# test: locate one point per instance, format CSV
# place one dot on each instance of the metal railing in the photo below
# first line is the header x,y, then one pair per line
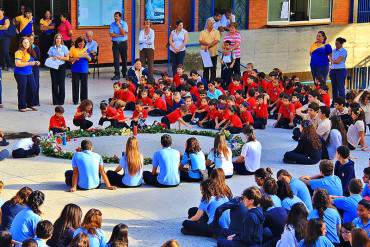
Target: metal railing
x,y
359,76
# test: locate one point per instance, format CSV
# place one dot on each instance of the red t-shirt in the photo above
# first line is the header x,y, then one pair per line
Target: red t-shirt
x,y
127,96
117,94
213,114
235,121
120,115
160,104
132,88
253,85
174,116
239,101
274,92
169,101
195,92
57,122
252,103
225,115
246,117
297,104
176,80
80,116
326,99
142,114
233,88
192,108
111,112
285,111
147,101
264,84
261,111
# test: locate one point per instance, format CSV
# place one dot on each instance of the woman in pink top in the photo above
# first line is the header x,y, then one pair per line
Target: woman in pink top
x,y
234,37
65,29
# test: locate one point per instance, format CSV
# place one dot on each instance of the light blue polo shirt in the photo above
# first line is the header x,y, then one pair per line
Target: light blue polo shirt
x,y
168,161
339,53
217,93
127,179
61,50
41,242
366,190
87,163
24,225
113,28
331,219
288,202
349,206
97,240
358,224
300,189
210,208
321,242
196,161
331,183
276,200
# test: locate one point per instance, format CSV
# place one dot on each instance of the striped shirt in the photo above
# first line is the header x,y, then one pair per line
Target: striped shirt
x,y
234,38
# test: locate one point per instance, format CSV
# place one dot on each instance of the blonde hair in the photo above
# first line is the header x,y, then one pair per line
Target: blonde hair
x,y
133,156
119,103
220,145
171,243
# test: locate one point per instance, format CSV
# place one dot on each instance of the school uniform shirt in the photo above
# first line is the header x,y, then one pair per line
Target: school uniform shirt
x,y
345,173
174,116
251,152
61,50
87,163
120,115
366,190
261,111
24,225
246,117
332,220
64,29
209,207
288,238
276,200
349,206
9,211
319,54
220,161
169,101
300,189
25,25
214,95
80,117
25,144
111,112
274,92
297,104
176,105
331,183
232,88
288,202
334,141
81,65
96,240
252,103
41,242
322,241
57,122
352,133
24,57
127,96
275,219
209,37
160,104
359,224
252,234
196,162
47,23
325,99
143,114
287,110
168,161
131,180
324,127
235,121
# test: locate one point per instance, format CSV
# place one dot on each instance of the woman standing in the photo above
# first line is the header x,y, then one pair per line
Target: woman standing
x,y
338,70
5,40
131,163
36,69
24,61
146,41
235,38
65,29
320,52
25,22
58,52
47,27
79,57
178,40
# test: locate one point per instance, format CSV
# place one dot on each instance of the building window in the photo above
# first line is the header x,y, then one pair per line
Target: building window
x,y
285,12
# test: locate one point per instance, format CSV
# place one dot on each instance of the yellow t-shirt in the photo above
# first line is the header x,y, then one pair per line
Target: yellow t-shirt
x,y
23,56
25,25
77,52
209,37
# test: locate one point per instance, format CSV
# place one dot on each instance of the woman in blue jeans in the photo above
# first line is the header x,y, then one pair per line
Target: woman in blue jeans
x,y
338,70
320,52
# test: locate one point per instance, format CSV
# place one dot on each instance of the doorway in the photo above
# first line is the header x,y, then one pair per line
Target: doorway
x,y
181,10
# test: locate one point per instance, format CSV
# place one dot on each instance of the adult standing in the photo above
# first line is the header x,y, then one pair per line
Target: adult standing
x,y
209,39
119,32
235,38
25,22
177,41
47,27
320,52
5,40
65,29
58,52
146,41
217,22
24,61
227,18
338,70
36,69
79,58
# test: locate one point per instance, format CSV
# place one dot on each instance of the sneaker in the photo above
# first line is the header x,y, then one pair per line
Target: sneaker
x,y
4,143
115,78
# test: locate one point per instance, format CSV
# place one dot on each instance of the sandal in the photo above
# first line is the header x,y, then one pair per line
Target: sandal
x,y
22,110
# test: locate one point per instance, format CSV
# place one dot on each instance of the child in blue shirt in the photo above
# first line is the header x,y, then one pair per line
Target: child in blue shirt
x,y
193,163
315,235
284,192
366,179
325,180
363,219
44,230
270,188
344,168
348,205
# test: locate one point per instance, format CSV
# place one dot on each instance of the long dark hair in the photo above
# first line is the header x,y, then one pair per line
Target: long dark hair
x,y
323,34
92,220
205,188
22,196
313,232
192,146
284,190
337,123
35,200
29,50
309,133
120,232
321,201
219,188
70,218
297,219
360,238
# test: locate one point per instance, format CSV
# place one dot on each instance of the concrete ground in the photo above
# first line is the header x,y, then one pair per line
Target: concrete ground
x,y
153,215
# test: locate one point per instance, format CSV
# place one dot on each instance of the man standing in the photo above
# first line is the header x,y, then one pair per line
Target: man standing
x,y
209,39
119,32
217,22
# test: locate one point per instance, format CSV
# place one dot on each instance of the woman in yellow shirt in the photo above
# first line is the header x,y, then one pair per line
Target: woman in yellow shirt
x,y
47,27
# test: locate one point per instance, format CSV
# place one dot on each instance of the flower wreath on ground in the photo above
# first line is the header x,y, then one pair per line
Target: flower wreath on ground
x,y
52,146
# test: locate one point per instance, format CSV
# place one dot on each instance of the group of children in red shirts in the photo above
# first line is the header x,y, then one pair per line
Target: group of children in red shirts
x,y
249,99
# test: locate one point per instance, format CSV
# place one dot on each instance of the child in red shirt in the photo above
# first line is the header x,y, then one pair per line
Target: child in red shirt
x,y
159,107
235,85
120,120
191,109
251,100
201,111
179,72
218,85
234,125
295,100
108,113
262,82
251,83
168,97
245,114
117,90
261,112
139,116
57,123
223,118
209,122
131,84
85,109
239,97
175,116
274,90
286,113
325,95
128,97
147,102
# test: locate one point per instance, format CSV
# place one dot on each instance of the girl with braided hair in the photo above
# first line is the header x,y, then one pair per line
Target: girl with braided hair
x,y
323,210
25,222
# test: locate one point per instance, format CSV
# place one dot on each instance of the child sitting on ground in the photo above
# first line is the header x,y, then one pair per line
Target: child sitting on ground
x,y
286,114
245,114
175,116
139,116
128,97
117,90
84,110
234,125
235,85
44,230
363,211
108,113
177,101
366,180
146,100
261,112
159,107
344,168
27,147
120,119
57,123
201,112
209,122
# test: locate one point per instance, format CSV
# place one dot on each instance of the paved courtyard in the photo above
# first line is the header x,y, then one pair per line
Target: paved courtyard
x,y
153,215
